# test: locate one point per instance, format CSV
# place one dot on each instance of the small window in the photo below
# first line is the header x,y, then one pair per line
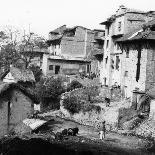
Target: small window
x,y
117,62
106,60
127,54
50,67
107,44
126,74
119,26
107,30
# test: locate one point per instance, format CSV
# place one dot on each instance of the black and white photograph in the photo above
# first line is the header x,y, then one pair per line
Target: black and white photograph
x,y
77,77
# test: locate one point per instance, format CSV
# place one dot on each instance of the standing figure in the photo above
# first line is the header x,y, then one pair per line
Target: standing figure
x,y
107,101
102,130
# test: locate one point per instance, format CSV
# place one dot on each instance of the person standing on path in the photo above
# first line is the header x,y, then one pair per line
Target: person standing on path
x,y
102,130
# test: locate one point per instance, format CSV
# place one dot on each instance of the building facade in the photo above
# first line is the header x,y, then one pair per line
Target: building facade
x,y
123,22
68,51
137,59
97,53
16,104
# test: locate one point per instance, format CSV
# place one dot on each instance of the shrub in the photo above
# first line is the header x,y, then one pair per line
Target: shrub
x,y
74,105
73,85
71,104
37,72
48,90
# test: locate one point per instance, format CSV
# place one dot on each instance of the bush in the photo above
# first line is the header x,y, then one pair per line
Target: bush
x,y
73,85
71,104
37,72
74,105
48,90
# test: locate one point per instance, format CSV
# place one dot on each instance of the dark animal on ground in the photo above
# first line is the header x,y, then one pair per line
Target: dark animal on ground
x,y
65,132
73,131
58,136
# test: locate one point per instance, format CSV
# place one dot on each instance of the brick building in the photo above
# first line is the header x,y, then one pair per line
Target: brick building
x,y
123,22
137,66
68,51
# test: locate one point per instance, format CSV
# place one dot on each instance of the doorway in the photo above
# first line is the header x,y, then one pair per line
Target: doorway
x,y
57,69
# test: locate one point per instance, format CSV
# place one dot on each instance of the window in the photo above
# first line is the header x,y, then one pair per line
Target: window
x,y
117,62
106,61
107,30
119,26
126,74
50,67
107,43
127,54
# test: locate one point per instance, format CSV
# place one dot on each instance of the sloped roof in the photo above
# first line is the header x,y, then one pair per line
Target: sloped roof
x,y
141,33
123,11
59,30
4,87
20,74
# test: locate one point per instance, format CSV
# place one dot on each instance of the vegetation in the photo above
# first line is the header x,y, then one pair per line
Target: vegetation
x,y
17,48
37,72
74,105
48,91
73,85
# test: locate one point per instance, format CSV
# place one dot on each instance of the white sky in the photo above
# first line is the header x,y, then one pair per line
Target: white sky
x,y
46,15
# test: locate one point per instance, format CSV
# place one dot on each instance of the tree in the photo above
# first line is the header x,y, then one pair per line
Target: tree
x,y
16,47
37,72
29,45
48,91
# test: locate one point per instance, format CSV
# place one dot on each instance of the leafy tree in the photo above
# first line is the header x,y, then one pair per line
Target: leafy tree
x,y
37,72
49,90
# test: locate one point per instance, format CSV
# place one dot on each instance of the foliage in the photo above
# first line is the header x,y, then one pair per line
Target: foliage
x,y
16,47
37,72
48,90
74,105
71,103
73,85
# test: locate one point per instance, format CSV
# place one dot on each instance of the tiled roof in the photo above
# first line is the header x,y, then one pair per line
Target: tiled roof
x,y
141,33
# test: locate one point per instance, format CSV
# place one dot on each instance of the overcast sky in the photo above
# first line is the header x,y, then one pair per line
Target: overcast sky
x,y
46,15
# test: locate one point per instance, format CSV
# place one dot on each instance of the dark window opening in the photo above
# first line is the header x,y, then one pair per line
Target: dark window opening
x,y
107,43
50,67
119,26
106,60
126,74
107,30
112,63
138,66
117,62
105,80
127,54
88,68
57,69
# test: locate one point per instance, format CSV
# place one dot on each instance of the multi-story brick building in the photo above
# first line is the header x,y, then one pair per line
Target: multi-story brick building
x,y
68,51
123,22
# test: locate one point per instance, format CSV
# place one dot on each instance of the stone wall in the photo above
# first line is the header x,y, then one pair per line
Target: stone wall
x,y
92,118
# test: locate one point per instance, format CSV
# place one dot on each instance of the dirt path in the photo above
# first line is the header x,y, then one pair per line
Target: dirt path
x,y
112,140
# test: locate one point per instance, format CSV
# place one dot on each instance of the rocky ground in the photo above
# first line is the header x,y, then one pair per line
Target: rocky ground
x,y
86,142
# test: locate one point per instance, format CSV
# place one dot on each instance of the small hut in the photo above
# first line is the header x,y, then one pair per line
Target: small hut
x,y
16,104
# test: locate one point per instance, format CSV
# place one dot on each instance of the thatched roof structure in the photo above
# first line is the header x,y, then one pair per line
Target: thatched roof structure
x,y
24,75
5,88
